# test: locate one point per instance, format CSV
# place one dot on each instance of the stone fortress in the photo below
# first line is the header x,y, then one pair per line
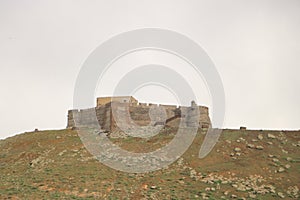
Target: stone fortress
x,y
132,111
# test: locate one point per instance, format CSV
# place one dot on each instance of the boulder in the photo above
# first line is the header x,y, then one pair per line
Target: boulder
x,y
271,136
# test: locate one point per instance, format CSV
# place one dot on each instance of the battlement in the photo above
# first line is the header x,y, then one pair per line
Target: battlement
x,y
132,111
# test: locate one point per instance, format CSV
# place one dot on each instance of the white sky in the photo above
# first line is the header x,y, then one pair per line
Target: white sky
x,y
255,46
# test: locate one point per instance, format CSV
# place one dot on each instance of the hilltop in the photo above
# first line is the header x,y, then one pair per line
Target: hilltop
x,y
244,164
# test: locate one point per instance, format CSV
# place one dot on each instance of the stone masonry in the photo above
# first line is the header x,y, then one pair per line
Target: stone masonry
x,y
128,111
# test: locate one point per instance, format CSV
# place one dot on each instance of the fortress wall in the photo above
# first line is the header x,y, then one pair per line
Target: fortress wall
x,y
139,113
70,121
119,113
87,117
170,110
204,117
103,114
83,117
122,99
103,100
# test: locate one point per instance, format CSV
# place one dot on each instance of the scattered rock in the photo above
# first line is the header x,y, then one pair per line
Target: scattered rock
x,y
271,136
193,174
237,149
243,128
34,162
281,195
275,160
145,186
259,147
293,191
287,166
289,159
153,187
40,162
251,146
284,151
62,152
270,188
260,137
224,182
204,195
180,161
252,196
281,169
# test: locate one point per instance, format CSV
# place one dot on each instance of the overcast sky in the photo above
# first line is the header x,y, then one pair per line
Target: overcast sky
x,y
255,46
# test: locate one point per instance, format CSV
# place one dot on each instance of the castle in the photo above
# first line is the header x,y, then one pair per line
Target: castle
x,y
132,111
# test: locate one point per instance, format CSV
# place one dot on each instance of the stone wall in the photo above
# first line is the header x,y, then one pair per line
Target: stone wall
x,y
137,113
86,117
122,99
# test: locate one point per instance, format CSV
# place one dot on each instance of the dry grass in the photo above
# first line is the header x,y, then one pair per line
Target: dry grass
x,y
65,170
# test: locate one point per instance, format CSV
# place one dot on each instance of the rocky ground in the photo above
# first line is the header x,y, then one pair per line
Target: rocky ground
x,y
243,165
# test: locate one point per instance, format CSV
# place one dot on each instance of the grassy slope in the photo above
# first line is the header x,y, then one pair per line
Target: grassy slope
x,y
54,164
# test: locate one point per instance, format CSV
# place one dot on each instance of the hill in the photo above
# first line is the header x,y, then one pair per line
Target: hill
x,y
244,164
